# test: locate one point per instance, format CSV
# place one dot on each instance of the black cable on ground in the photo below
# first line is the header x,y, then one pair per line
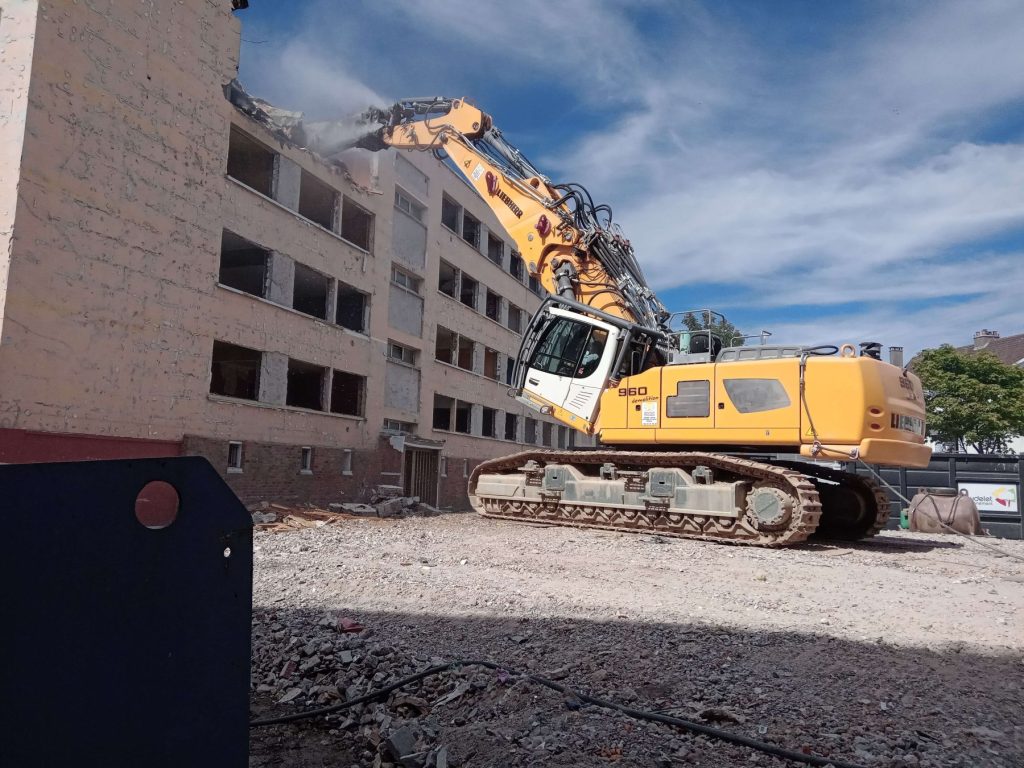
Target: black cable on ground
x,y
639,714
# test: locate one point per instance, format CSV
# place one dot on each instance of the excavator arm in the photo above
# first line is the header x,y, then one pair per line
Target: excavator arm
x,y
567,242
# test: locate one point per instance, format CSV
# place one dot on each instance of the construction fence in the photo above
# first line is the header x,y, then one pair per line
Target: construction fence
x,y
994,482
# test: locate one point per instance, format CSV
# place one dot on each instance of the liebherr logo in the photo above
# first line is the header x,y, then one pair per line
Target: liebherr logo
x,y
495,189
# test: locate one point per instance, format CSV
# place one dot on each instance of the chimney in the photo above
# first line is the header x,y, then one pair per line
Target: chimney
x,y
983,337
896,356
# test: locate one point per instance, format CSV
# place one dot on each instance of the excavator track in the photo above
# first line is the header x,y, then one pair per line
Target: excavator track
x,y
771,506
853,506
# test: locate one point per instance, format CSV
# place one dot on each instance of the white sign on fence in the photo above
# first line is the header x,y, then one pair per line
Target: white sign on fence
x,y
993,497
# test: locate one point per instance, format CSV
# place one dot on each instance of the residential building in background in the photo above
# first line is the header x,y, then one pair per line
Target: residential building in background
x,y
183,280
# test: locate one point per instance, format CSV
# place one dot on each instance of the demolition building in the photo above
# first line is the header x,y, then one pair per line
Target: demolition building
x,y
179,277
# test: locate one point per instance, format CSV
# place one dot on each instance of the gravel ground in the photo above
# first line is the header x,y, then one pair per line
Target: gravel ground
x,y
902,651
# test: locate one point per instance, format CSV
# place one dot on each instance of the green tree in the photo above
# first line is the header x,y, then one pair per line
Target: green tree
x,y
972,399
730,335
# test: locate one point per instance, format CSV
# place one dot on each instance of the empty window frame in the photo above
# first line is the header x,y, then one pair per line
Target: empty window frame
x,y
318,201
495,249
546,430
467,351
491,363
514,321
306,460
510,369
468,291
516,268
352,308
346,461
535,286
530,431
443,412
250,162
305,385
448,279
235,371
401,353
356,224
243,265
445,345
511,426
463,417
471,229
309,295
492,306
563,437
406,204
348,393
451,213
488,422
234,457
405,279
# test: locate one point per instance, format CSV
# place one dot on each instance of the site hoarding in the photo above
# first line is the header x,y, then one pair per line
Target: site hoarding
x,y
993,497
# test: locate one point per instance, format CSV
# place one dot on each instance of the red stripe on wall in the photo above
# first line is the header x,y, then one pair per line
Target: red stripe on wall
x,y
20,446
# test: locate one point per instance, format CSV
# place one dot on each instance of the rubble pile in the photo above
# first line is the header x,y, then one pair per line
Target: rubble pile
x,y
386,502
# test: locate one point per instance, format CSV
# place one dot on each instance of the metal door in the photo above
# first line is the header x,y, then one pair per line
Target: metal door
x,y
421,474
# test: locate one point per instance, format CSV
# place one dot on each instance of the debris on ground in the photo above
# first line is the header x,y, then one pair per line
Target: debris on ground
x,y
913,670
386,502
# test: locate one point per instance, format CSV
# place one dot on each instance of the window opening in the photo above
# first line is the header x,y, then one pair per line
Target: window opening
x,y
511,426
351,310
471,230
466,353
317,201
243,265
348,393
546,434
235,371
305,385
468,291
250,162
306,460
530,431
443,412
356,224
448,280
516,268
346,461
310,292
515,319
445,345
491,366
488,422
495,249
493,306
463,417
450,211
234,457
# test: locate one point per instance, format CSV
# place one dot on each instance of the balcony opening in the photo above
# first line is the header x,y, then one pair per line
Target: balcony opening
x,y
310,292
493,307
471,230
450,211
463,417
495,249
466,349
491,363
468,291
243,265
235,371
445,345
250,162
357,225
351,310
305,385
448,280
443,412
317,201
511,426
348,393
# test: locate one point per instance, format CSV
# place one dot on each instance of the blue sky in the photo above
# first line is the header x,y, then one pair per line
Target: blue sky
x,y
829,171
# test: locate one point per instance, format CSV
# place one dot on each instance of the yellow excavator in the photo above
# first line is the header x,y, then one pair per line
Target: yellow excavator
x,y
697,436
